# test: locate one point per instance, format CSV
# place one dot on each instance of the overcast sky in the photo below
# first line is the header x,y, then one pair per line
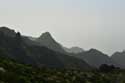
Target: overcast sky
x,y
88,24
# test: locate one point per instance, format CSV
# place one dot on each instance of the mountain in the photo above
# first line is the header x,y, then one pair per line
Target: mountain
x,y
17,47
74,50
48,41
94,58
7,31
119,57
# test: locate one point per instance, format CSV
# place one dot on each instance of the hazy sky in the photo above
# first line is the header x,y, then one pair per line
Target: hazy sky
x,y
88,24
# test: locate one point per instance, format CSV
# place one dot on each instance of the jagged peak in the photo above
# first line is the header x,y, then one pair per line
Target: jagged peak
x,y
92,50
47,40
46,35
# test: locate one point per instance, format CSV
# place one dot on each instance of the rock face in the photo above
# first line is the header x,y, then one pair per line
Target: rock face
x,y
17,47
119,57
48,41
95,58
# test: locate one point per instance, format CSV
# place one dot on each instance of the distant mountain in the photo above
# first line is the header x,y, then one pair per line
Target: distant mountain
x,y
74,50
45,51
119,57
20,48
94,58
48,41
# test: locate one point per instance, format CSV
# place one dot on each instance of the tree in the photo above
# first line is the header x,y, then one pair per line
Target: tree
x,y
107,68
18,36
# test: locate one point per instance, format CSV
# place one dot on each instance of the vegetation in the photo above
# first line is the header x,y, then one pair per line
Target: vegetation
x,y
13,72
48,66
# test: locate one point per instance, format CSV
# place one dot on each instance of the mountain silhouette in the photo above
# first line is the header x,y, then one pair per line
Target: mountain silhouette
x,y
48,41
8,32
95,58
119,57
46,51
17,47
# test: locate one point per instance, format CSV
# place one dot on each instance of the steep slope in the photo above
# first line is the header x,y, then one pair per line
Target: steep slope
x,y
94,57
17,48
48,41
74,50
119,57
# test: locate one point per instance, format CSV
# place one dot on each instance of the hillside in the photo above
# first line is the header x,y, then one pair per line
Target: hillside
x,y
16,47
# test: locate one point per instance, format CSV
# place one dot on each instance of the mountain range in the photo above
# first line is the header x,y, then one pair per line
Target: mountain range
x,y
20,48
95,58
44,51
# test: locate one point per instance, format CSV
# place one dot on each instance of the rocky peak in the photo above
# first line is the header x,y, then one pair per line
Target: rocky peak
x,y
7,31
46,36
48,41
93,50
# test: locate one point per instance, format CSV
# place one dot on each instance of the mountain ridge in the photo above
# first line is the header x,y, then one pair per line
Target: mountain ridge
x,y
25,52
119,57
93,57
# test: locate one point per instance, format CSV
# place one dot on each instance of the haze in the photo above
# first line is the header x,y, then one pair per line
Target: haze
x,y
88,24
